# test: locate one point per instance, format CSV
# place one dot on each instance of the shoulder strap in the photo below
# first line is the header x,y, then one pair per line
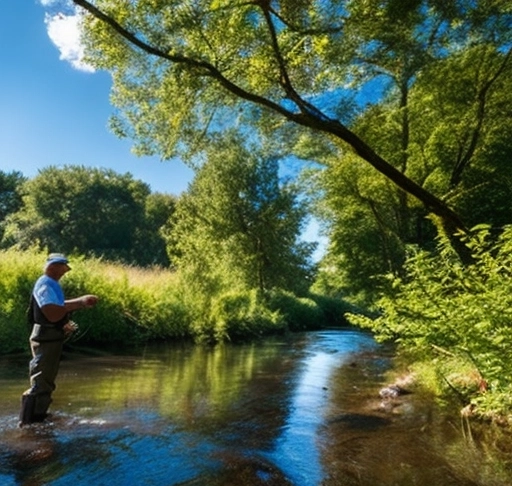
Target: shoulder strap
x,y
30,312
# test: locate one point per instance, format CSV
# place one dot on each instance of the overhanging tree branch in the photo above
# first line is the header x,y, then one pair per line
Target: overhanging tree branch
x,y
309,117
206,68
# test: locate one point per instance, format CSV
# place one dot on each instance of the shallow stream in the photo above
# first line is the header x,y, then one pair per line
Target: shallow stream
x,y
300,410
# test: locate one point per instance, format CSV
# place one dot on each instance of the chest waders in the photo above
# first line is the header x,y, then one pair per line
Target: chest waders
x,y
46,343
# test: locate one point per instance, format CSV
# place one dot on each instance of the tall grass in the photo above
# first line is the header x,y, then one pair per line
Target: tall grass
x,y
136,305
18,273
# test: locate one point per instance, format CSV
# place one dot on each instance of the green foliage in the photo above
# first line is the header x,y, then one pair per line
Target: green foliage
x,y
448,131
236,315
418,88
238,226
365,231
299,312
185,71
150,247
457,316
224,54
90,211
135,304
333,308
140,304
459,131
19,272
10,197
305,313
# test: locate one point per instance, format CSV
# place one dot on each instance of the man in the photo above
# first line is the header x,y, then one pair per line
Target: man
x,y
50,314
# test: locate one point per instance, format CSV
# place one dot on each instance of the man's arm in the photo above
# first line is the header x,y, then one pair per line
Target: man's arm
x,y
55,313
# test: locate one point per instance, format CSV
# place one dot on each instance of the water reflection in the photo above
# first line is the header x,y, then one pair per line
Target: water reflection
x,y
168,415
295,450
299,410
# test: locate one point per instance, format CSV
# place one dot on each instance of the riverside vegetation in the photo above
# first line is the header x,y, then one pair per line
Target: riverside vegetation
x,y
141,304
453,322
450,321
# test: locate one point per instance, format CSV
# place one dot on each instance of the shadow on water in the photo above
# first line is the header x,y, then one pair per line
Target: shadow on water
x,y
300,410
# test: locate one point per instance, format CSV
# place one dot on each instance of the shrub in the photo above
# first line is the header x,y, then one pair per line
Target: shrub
x,y
240,314
445,313
299,313
333,309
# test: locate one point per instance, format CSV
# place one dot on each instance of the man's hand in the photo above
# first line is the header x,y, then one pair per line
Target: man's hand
x,y
89,300
69,328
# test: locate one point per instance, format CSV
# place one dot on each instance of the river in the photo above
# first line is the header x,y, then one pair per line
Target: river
x,y
301,410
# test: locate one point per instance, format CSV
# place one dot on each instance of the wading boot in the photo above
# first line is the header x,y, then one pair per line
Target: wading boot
x,y
28,403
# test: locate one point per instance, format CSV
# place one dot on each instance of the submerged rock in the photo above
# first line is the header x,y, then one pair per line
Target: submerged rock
x,y
393,391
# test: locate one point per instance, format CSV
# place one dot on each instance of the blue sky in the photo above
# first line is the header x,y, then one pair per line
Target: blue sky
x,y
55,113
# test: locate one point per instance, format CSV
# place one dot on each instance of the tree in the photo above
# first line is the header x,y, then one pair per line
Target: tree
x,y
150,245
179,67
462,144
360,211
458,146
238,225
10,198
78,209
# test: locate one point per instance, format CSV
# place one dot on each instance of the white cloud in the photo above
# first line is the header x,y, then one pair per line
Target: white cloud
x,y
64,32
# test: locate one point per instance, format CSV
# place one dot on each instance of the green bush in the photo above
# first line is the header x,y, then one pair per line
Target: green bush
x,y
299,313
240,315
450,314
333,309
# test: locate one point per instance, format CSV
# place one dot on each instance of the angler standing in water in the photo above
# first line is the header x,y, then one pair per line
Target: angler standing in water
x,y
49,313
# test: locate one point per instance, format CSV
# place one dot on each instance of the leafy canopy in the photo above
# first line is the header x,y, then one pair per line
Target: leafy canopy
x,y
82,210
181,68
